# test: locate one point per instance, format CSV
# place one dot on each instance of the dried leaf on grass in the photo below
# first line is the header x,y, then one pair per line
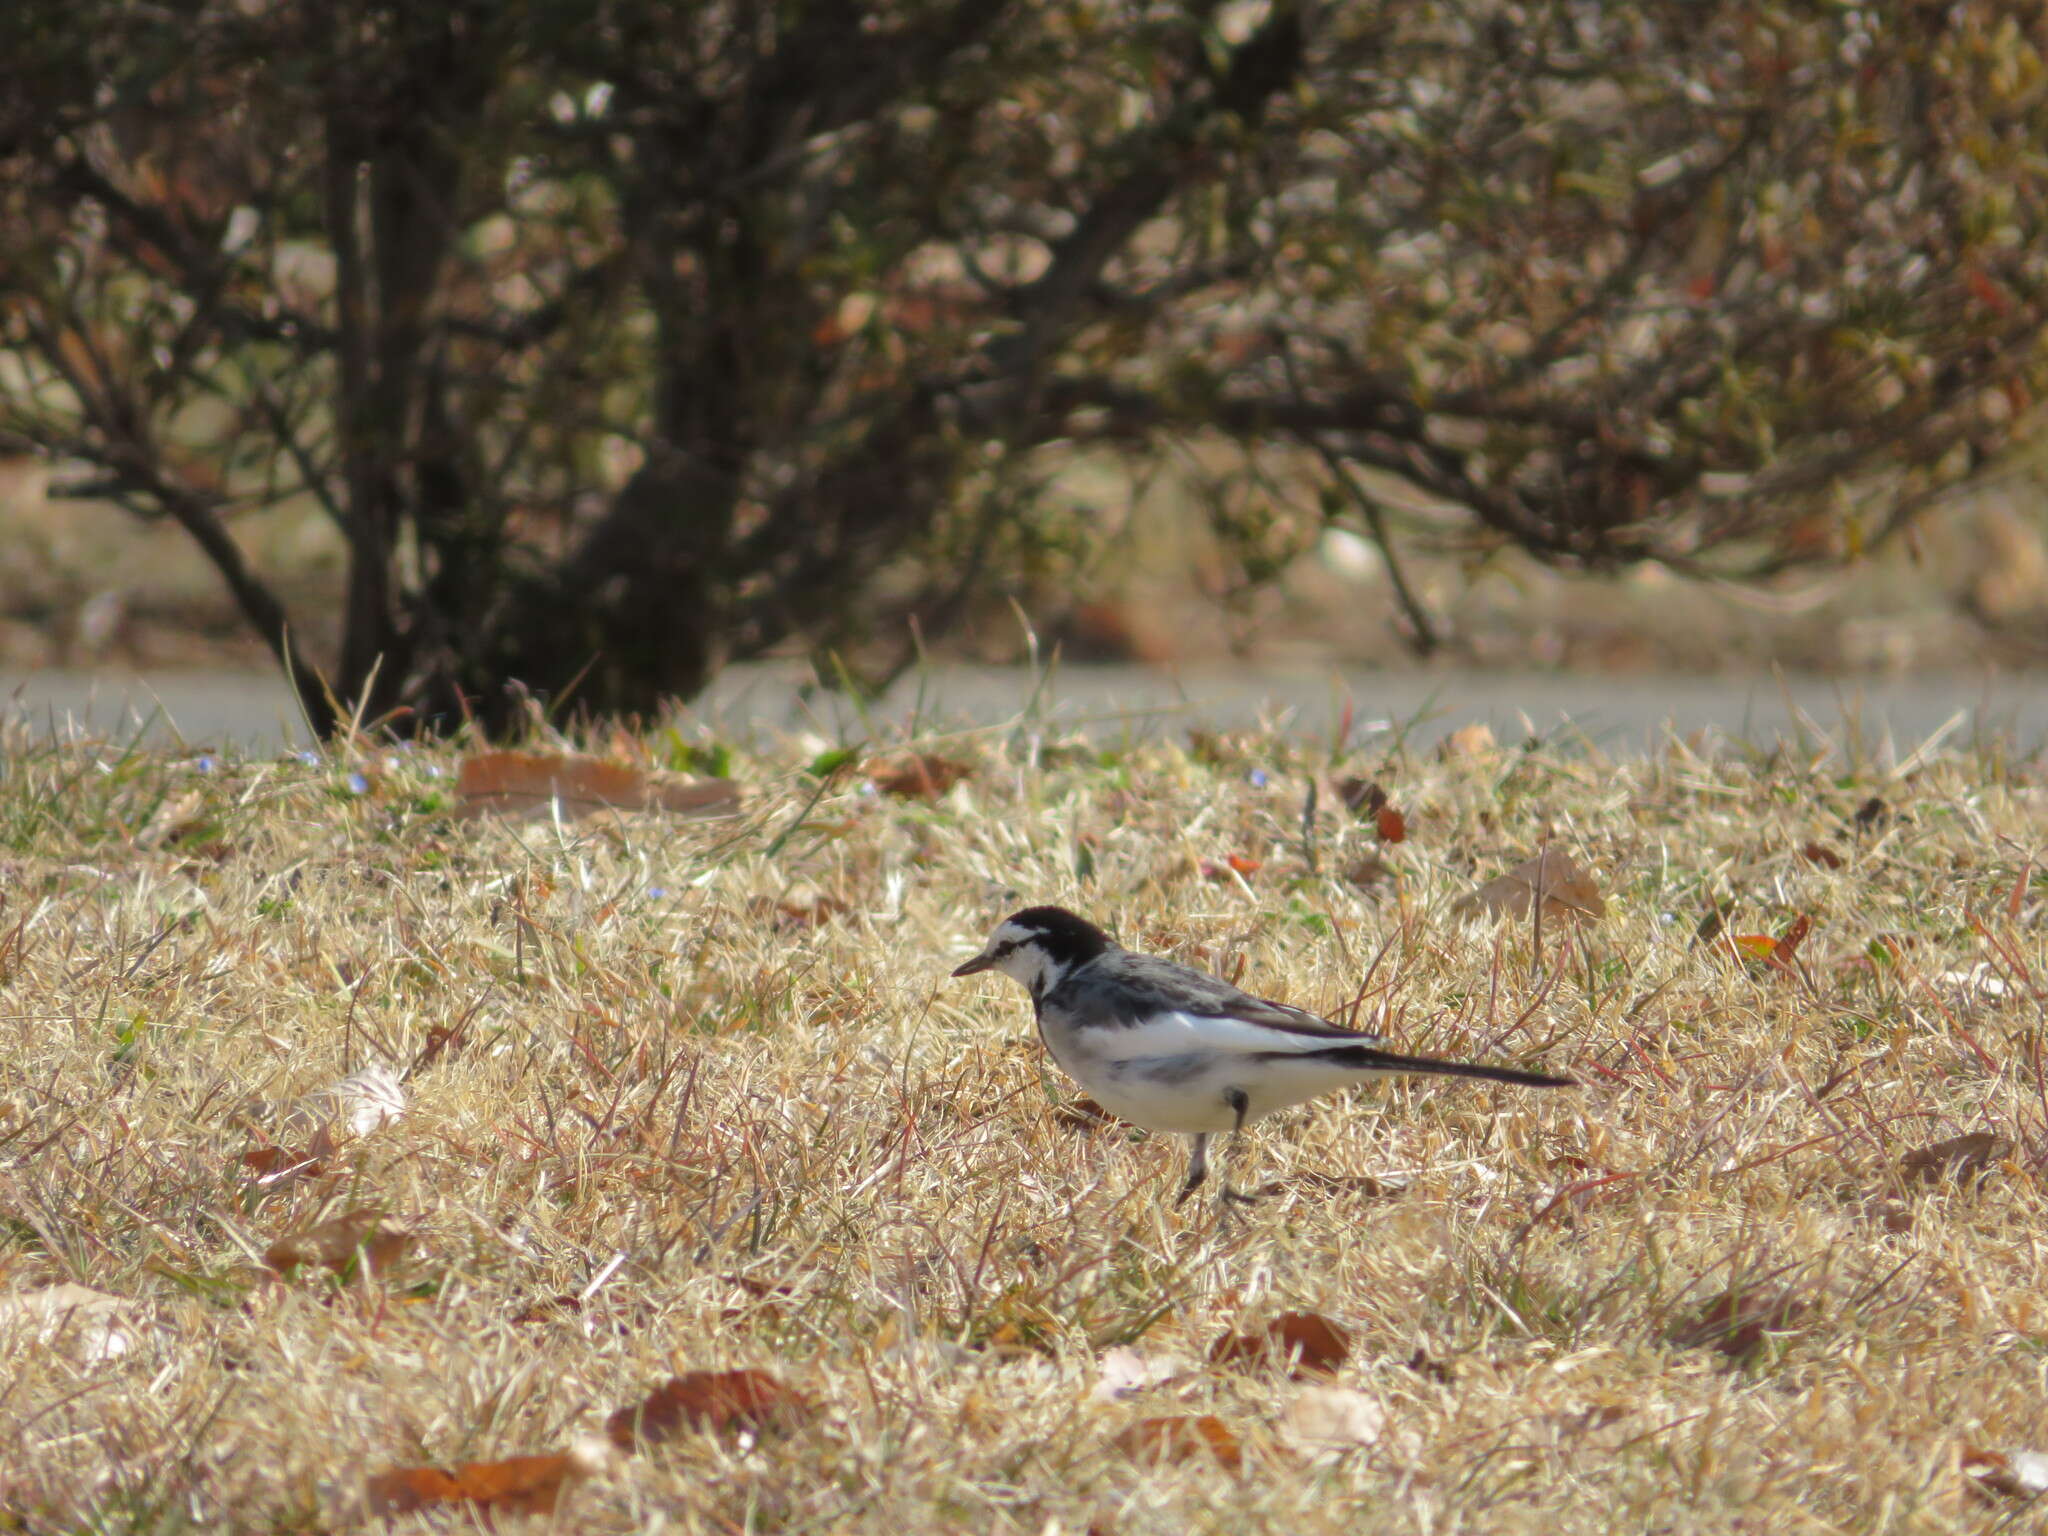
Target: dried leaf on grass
x,y
334,1244
1362,796
280,1165
712,1400
1568,891
917,775
548,1308
85,1325
519,1485
533,784
1306,1343
1173,1440
2005,1474
1959,1160
320,1122
1335,1416
1787,947
1737,1321
1367,872
1370,800
1823,855
1124,1372
1777,953
1084,1114
1238,864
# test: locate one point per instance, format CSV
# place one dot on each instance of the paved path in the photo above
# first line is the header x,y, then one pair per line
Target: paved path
x,y
1623,714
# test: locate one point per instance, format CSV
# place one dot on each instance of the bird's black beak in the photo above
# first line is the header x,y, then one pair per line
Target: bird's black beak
x,y
980,962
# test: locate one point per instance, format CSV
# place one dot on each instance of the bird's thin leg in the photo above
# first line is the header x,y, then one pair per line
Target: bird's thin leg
x,y
1239,1104
1198,1168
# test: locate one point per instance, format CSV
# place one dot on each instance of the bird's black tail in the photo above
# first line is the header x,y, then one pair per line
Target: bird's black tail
x,y
1368,1058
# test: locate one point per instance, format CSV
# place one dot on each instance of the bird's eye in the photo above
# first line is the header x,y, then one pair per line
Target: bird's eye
x,y
1008,946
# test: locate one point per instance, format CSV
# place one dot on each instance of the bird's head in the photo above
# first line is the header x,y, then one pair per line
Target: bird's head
x,y
1038,947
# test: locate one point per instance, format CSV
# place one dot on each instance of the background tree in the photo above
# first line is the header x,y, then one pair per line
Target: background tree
x,y
624,338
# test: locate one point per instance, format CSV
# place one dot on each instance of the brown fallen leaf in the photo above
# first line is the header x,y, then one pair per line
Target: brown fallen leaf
x,y
1823,855
1782,953
712,1400
1960,1160
281,1165
548,1309
1367,872
1084,1114
917,775
1568,891
335,1244
1390,824
1235,864
534,784
1362,796
1175,1439
1870,813
1306,1343
322,1121
1737,1321
2005,1474
519,1485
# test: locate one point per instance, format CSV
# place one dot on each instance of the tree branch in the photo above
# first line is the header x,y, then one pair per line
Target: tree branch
x,y
1262,66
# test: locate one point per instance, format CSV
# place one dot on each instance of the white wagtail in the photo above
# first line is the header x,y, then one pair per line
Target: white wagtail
x,y
1171,1049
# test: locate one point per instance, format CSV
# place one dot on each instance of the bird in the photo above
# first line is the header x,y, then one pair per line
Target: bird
x,y
1171,1048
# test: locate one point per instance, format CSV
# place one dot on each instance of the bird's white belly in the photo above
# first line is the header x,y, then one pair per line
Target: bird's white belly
x,y
1195,1091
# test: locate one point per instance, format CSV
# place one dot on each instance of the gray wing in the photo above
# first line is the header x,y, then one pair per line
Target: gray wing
x,y
1205,996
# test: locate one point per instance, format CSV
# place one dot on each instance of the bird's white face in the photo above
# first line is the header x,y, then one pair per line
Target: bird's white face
x,y
1017,951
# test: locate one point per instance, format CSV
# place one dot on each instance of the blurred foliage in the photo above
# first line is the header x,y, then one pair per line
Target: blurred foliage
x,y
625,338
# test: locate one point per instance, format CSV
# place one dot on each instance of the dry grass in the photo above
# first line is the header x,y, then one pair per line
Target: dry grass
x,y
716,1068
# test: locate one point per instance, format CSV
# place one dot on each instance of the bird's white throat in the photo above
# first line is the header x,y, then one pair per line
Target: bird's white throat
x,y
1031,965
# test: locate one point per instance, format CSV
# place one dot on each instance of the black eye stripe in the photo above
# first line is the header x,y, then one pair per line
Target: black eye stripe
x,y
1005,948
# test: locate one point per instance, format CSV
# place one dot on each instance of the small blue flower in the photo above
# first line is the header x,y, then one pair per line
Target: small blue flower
x,y
310,759
657,892
206,763
358,785
1258,778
